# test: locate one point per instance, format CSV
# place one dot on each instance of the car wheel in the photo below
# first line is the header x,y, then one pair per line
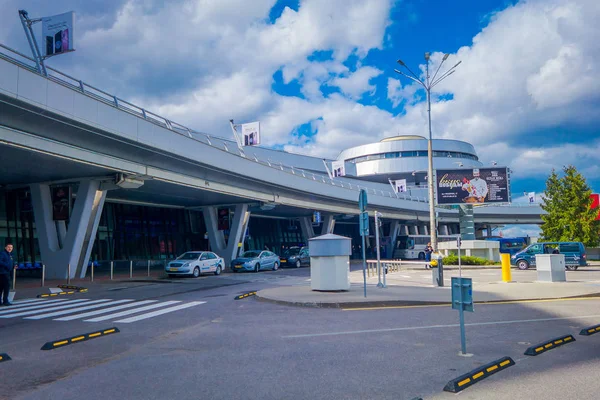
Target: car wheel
x,y
257,268
298,264
275,266
218,270
196,272
572,267
421,256
522,265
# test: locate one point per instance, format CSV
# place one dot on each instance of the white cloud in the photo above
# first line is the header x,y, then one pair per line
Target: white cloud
x,y
357,82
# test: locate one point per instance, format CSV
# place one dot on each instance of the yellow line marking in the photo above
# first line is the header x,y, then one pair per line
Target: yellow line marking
x,y
60,343
477,303
503,363
77,339
478,375
492,368
95,334
461,383
109,331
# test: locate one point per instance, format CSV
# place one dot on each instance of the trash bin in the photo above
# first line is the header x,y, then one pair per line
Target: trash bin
x,y
550,267
329,262
437,269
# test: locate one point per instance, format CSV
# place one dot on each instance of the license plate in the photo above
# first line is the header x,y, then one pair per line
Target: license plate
x,y
173,269
238,266
283,260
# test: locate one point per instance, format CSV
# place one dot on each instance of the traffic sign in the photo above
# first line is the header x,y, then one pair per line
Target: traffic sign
x,y
364,223
362,200
464,299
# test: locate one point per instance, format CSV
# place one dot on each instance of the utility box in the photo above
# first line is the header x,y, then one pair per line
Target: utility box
x,y
329,262
550,267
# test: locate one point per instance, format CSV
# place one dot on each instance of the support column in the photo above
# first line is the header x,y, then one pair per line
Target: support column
x,y
59,246
394,232
425,230
307,228
229,250
328,224
467,222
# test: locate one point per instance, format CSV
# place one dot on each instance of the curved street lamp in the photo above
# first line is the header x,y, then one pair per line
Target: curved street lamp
x,y
428,84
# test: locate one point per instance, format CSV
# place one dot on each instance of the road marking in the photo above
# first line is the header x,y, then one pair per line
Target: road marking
x,y
477,303
405,276
22,314
45,305
29,306
105,310
160,312
15,302
413,328
75,310
129,312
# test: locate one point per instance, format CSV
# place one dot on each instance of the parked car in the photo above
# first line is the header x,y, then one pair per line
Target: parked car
x,y
196,263
574,252
255,260
295,257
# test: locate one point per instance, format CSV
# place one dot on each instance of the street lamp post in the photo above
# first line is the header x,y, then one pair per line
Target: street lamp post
x,y
428,84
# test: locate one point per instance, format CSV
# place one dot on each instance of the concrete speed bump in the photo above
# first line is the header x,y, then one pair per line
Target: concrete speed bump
x,y
64,290
4,357
590,330
80,338
243,296
478,374
39,296
549,345
76,288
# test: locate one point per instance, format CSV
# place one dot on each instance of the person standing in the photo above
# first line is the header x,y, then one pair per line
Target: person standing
x,y
428,252
6,266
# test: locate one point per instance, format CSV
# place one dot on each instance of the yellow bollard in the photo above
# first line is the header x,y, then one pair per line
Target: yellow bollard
x,y
506,273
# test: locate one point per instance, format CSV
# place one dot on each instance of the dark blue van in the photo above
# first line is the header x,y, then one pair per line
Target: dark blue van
x,y
574,252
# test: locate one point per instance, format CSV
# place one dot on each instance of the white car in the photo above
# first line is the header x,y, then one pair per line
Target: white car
x,y
196,263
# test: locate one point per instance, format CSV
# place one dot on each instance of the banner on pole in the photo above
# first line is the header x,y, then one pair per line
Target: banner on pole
x,y
251,133
339,168
531,196
399,186
61,203
57,34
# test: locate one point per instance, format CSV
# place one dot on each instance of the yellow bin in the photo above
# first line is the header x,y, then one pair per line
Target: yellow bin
x,y
506,274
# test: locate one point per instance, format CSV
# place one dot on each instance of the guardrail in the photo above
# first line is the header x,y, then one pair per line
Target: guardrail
x,y
100,95
387,265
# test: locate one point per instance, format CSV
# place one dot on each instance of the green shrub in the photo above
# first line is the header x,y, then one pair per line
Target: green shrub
x,y
452,259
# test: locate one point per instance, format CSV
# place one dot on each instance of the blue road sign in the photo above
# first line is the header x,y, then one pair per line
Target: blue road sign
x,y
364,223
464,299
362,200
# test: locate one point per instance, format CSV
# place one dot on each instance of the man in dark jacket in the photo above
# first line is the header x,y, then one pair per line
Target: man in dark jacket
x,y
6,266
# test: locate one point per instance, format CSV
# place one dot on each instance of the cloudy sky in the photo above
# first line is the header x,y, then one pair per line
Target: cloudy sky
x,y
319,74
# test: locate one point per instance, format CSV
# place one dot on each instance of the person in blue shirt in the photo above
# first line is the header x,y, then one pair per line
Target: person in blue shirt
x,y
428,252
6,266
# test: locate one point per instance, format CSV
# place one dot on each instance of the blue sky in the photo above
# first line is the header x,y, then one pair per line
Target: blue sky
x,y
319,74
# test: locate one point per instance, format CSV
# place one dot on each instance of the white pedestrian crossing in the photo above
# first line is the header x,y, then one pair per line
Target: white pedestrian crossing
x,y
100,309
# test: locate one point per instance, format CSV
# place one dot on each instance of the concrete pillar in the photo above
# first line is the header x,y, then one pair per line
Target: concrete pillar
x,y
467,222
444,229
328,224
425,229
306,226
60,246
395,228
489,229
237,227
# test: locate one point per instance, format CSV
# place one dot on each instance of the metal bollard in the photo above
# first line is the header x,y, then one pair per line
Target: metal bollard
x,y
148,268
92,274
111,270
69,274
14,282
43,274
130,269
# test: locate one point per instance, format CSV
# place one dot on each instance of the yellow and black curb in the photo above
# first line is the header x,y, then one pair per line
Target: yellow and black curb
x,y
549,345
243,296
39,296
590,330
69,287
4,357
70,290
80,338
478,374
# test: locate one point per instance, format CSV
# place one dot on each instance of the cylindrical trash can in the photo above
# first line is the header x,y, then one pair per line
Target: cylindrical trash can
x,y
329,262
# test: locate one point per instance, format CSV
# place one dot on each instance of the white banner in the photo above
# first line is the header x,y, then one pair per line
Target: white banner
x,y
338,168
400,185
251,133
57,34
531,196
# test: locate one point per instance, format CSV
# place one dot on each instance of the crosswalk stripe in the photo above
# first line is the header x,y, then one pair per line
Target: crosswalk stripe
x,y
22,314
19,302
38,306
405,276
104,310
129,312
160,312
78,309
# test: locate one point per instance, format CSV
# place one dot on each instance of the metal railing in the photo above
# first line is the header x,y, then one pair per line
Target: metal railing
x,y
204,138
386,265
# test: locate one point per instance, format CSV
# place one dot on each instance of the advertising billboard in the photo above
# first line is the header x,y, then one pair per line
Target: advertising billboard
x,y
338,168
57,34
61,203
472,186
251,133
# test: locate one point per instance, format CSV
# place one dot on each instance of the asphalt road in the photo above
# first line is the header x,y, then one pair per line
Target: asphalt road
x,y
221,348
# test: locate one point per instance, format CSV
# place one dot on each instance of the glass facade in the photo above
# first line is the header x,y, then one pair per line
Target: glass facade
x,y
415,153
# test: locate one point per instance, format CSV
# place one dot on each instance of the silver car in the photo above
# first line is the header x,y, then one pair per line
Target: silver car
x,y
256,260
196,263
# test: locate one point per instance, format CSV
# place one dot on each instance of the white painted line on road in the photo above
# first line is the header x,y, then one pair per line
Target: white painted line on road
x,y
405,276
135,310
105,310
45,305
414,328
28,306
22,314
160,312
75,310
15,302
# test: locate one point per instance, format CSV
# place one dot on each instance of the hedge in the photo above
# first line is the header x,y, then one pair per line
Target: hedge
x,y
452,259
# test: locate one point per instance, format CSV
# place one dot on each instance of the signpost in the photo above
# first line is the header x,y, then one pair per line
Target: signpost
x,y
462,300
458,243
377,222
364,231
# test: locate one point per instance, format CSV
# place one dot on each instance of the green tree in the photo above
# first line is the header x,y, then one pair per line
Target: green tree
x,y
569,214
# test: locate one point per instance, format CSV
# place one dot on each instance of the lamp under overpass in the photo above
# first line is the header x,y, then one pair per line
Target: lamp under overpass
x,y
128,182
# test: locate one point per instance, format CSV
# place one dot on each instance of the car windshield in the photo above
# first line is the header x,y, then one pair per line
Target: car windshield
x,y
189,256
292,252
251,254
